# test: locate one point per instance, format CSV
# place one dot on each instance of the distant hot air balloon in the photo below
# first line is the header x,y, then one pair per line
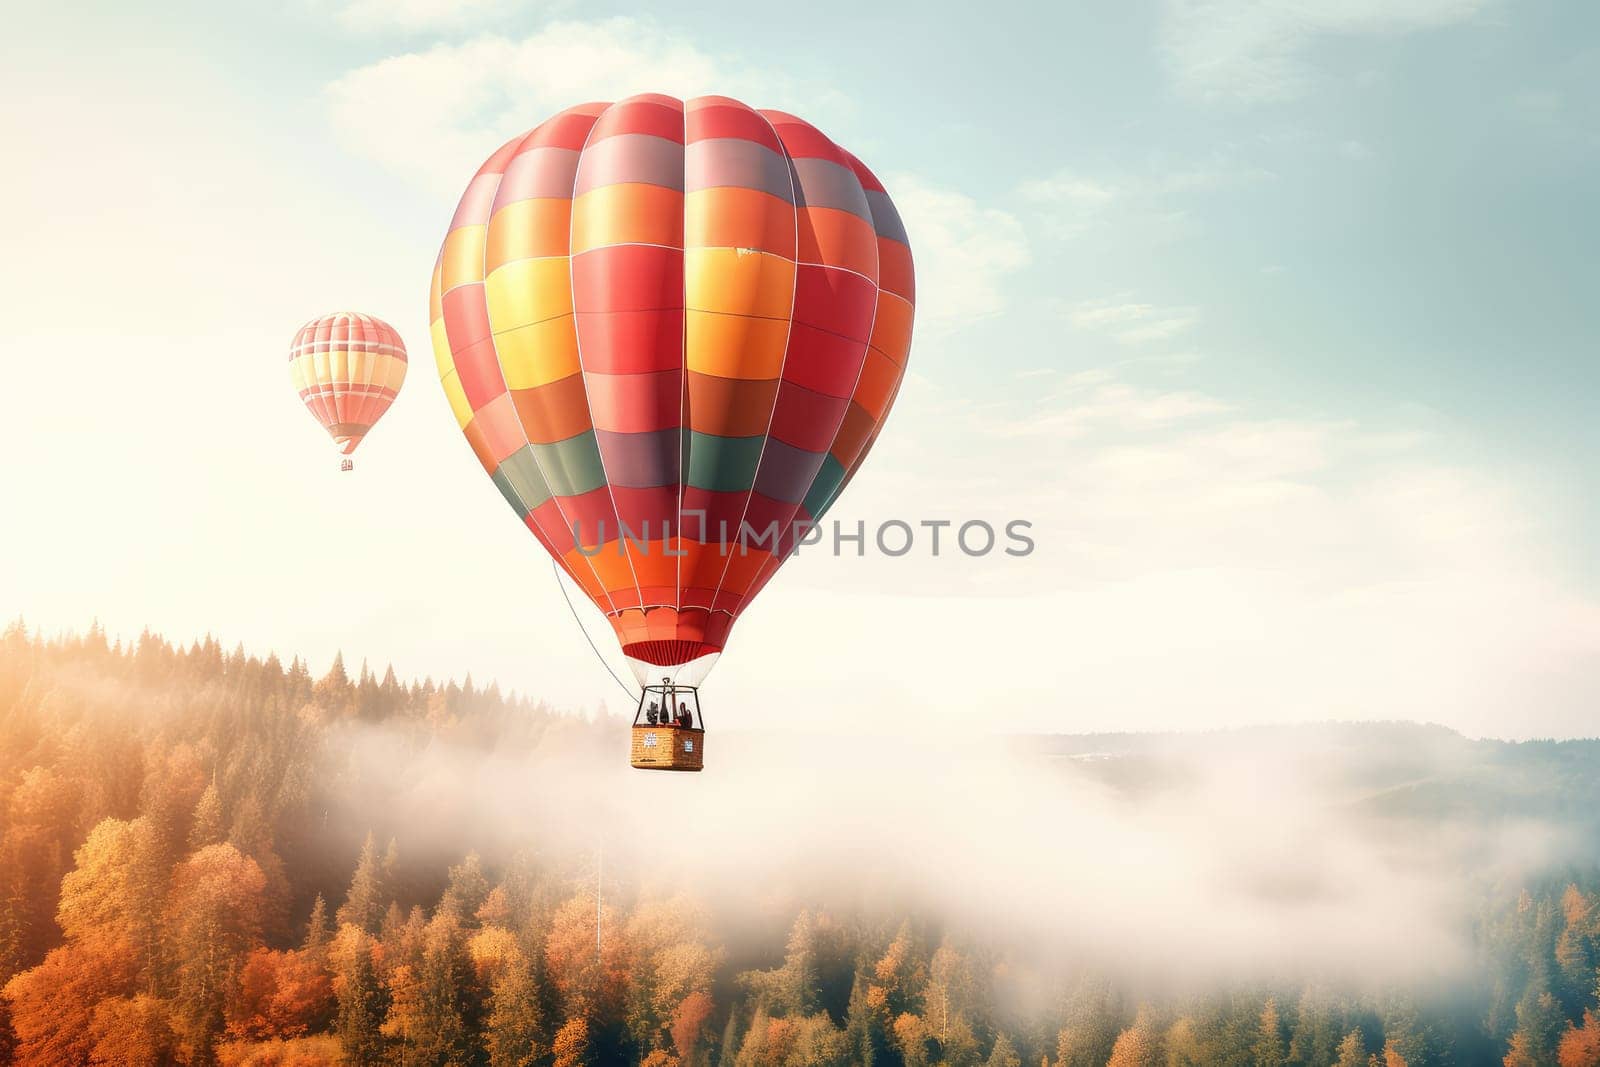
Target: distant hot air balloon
x,y
658,322
348,368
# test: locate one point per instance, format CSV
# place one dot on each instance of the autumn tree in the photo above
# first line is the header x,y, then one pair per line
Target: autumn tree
x,y
37,835
688,1022
361,1004
865,1025
1520,1052
1539,1030
1092,1025
804,1041
587,977
365,903
897,976
207,826
1183,1044
318,930
514,1034
1315,1038
466,890
1138,1046
280,994
795,987
1352,1050
1580,1046
214,915
427,1021
1269,1050
954,1004
52,1005
105,899
571,1045
668,962
132,1032
1004,1054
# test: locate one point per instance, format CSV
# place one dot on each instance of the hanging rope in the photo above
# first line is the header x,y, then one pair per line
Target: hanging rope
x,y
565,596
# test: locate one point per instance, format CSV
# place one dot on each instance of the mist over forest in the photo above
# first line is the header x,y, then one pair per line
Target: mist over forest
x,y
214,857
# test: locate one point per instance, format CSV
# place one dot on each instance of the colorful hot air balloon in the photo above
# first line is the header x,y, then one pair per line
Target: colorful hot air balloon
x,y
658,322
348,368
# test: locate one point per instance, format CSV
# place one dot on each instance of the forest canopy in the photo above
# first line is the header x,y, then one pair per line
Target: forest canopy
x,y
186,876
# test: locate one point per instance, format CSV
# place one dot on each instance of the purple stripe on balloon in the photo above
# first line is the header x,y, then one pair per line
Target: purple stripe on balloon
x,y
731,161
640,460
823,183
885,219
540,173
786,471
631,157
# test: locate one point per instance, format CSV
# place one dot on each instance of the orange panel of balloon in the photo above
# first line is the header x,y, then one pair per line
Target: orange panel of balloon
x,y
662,324
348,368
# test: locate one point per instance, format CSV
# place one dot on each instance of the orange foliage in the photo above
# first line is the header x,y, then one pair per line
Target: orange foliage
x,y
779,1041
1137,1046
571,1046
1519,1054
280,994
132,1032
589,982
299,1052
496,908
911,1034
1574,905
52,1006
1580,1046
493,949
689,1020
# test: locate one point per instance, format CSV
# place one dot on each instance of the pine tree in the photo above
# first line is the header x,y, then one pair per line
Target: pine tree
x,y
466,891
571,1045
1539,1027
1580,1045
1004,1054
318,930
1315,1039
1091,1026
364,905
1352,1050
1269,1049
360,996
1138,1046
214,916
514,1033
207,827
864,1026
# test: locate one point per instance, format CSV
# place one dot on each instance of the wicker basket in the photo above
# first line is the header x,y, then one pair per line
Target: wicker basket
x,y
668,748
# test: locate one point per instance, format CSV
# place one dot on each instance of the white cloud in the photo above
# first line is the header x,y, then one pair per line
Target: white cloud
x,y
1072,201
1250,51
1131,323
1202,561
965,252
465,99
418,16
462,100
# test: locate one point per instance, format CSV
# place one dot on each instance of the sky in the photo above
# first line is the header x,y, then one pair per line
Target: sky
x,y
1276,321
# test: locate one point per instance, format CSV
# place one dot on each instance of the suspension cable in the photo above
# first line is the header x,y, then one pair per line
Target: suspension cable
x,y
595,649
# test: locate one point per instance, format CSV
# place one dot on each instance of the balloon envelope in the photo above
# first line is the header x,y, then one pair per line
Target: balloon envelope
x,y
348,368
660,323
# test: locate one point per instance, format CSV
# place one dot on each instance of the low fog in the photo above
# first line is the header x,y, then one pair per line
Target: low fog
x,y
1241,855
